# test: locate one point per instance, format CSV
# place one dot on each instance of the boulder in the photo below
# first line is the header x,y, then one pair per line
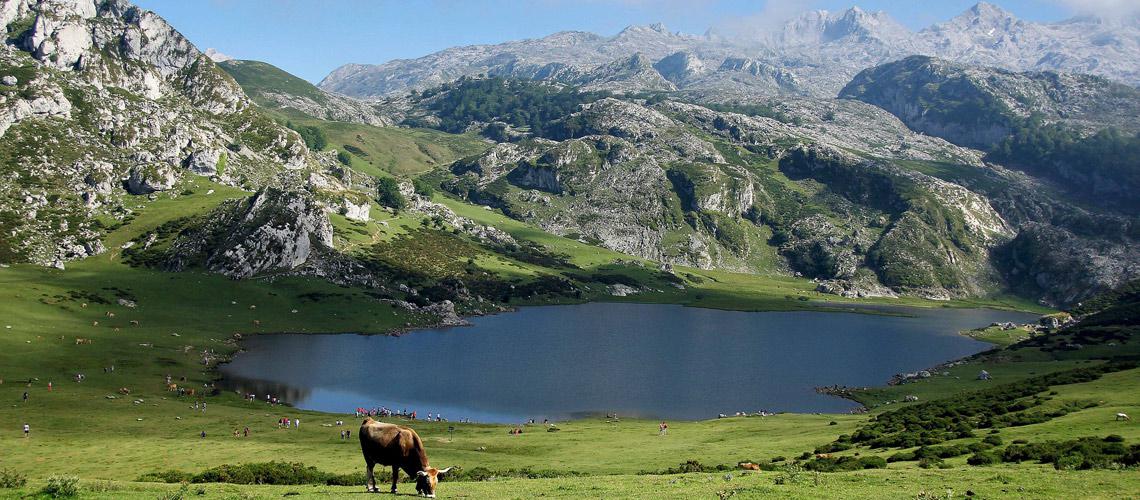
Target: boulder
x,y
203,161
146,179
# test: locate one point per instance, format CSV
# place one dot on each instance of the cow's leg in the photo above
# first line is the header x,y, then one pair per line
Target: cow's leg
x,y
395,475
371,484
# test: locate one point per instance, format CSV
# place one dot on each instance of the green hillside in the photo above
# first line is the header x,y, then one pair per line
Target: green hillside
x,y
257,78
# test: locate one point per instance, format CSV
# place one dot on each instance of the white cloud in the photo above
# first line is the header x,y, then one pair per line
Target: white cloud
x,y
768,19
1107,9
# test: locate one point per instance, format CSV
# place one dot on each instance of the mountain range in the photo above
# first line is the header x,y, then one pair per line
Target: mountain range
x,y
813,54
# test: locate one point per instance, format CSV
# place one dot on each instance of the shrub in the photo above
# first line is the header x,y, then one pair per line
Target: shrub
x,y
61,487
931,463
423,187
873,462
1114,438
902,456
778,458
992,439
843,464
983,459
10,478
167,476
343,157
388,194
352,479
263,473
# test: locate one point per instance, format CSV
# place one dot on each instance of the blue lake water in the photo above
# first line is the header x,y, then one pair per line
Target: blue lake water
x,y
646,360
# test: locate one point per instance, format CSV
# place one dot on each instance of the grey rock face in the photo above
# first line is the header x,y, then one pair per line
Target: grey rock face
x,y
204,161
146,179
105,100
272,231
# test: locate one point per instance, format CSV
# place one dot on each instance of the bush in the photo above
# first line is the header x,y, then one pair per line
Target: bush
x,y
263,473
344,158
844,464
353,479
994,440
12,479
1082,453
61,487
902,456
388,194
778,458
423,187
983,459
1114,438
931,463
167,476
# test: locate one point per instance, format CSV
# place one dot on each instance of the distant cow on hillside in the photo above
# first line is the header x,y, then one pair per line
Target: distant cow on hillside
x,y
401,448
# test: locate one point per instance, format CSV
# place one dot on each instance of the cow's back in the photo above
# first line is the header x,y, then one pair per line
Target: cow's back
x,y
389,444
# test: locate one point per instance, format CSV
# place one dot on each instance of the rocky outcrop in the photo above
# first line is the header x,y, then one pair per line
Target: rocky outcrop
x,y
272,231
979,107
146,179
102,100
1064,268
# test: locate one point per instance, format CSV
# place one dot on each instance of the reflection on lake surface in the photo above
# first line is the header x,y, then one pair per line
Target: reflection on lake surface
x,y
655,361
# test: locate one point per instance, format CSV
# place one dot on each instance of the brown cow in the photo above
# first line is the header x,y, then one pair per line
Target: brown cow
x,y
401,448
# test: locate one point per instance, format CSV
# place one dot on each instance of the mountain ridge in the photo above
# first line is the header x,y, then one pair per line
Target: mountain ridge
x,y
822,50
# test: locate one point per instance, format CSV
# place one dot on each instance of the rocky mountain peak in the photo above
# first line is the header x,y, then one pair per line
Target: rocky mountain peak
x,y
821,26
984,18
680,66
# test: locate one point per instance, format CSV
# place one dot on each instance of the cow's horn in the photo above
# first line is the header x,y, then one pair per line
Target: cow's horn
x,y
421,473
444,471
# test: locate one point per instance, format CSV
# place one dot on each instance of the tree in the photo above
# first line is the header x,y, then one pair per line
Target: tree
x,y
388,194
423,187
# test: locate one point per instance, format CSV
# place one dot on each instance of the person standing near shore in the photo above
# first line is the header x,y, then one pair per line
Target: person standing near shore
x,y
27,430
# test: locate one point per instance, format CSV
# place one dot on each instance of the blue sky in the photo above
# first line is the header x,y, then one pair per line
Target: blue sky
x,y
309,38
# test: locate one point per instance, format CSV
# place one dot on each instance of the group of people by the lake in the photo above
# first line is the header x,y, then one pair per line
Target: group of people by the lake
x,y
286,422
384,411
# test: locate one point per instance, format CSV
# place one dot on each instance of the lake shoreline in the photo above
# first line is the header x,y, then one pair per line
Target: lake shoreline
x,y
862,311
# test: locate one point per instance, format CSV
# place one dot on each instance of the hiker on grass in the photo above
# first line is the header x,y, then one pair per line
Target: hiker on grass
x,y
663,429
27,430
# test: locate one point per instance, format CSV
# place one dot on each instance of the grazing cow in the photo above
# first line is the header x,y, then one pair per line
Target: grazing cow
x,y
823,456
749,466
401,448
1123,416
134,322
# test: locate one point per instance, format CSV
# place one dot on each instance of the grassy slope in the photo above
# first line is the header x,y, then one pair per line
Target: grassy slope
x,y
396,151
256,77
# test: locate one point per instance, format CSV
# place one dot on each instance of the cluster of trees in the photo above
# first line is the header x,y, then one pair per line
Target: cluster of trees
x,y
388,194
1104,163
314,137
520,103
957,417
761,110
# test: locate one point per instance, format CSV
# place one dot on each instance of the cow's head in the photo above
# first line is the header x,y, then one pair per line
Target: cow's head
x,y
426,480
